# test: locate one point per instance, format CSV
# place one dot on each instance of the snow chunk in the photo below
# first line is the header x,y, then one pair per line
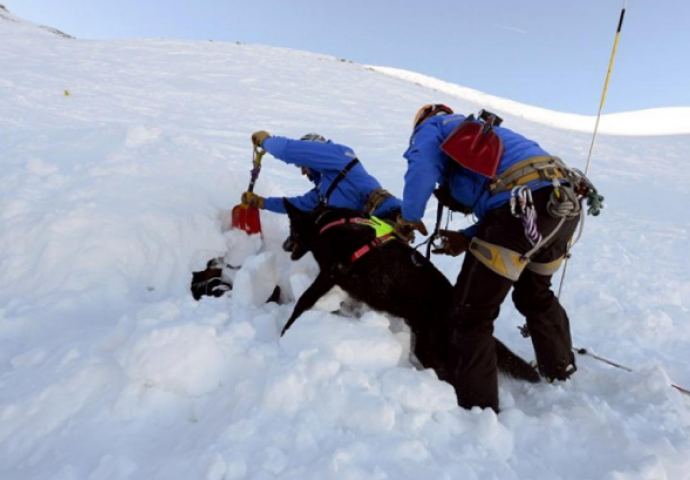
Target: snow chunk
x,y
240,246
368,413
328,303
358,345
29,359
288,393
216,468
257,279
418,391
275,460
112,467
40,167
491,434
140,135
186,359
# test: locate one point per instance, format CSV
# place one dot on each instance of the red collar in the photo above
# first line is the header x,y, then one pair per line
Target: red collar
x,y
345,221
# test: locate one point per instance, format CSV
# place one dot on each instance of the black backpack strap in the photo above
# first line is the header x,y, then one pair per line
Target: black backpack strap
x,y
343,173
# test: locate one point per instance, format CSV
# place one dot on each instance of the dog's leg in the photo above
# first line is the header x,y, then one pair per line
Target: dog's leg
x,y
513,365
430,343
323,283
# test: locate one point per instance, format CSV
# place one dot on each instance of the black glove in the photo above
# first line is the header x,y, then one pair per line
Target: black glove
x,y
452,243
404,229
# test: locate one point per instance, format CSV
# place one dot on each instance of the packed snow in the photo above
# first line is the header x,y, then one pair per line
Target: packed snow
x,y
120,163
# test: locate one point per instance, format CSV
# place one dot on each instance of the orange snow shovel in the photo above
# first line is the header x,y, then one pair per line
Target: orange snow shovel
x,y
244,216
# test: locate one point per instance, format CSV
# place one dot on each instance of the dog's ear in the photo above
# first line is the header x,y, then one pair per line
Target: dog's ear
x,y
292,211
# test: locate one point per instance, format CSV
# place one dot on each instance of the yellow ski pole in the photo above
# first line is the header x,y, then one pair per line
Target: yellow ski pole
x,y
606,84
596,125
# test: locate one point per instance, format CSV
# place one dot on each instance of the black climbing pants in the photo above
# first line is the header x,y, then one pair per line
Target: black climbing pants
x,y
479,293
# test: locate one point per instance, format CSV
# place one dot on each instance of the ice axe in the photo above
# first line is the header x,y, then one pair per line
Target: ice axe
x,y
244,216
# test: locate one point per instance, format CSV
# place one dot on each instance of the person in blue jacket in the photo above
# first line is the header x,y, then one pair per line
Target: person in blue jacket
x,y
340,180
508,247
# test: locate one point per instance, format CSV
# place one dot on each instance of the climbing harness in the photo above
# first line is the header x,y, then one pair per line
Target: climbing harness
x,y
383,230
376,199
570,188
563,204
542,167
500,260
341,176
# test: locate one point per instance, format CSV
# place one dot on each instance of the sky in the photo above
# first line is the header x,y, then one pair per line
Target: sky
x,y
547,53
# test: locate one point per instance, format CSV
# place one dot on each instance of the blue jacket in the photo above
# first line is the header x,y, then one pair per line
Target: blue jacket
x,y
428,165
326,161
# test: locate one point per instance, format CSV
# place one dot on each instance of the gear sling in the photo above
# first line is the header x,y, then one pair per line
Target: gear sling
x,y
374,200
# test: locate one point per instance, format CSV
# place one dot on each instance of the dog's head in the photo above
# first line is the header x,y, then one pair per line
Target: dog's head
x,y
302,230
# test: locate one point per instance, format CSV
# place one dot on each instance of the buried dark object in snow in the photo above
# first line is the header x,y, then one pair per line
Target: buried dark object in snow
x,y
210,282
392,277
213,283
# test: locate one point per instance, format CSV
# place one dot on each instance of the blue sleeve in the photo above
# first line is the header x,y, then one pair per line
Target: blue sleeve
x,y
275,204
470,232
307,202
425,162
316,155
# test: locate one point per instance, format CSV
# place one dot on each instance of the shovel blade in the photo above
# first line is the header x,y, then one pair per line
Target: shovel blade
x,y
246,217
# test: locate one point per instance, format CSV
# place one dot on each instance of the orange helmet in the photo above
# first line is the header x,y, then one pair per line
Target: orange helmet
x,y
428,111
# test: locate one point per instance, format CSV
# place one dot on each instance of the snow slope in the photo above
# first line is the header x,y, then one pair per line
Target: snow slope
x,y
111,196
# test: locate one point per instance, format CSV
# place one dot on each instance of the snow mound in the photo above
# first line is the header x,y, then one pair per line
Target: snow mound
x,y
185,359
256,280
365,344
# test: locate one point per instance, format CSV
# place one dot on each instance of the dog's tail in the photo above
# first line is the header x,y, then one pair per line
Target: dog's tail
x,y
513,365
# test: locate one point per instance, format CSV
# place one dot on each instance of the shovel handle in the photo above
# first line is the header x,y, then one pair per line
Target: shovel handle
x,y
256,161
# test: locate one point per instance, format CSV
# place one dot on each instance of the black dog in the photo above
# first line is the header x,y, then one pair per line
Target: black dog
x,y
391,277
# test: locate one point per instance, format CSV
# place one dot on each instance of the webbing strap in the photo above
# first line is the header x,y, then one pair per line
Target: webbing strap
x,y
375,199
371,245
509,263
342,221
546,269
380,227
534,168
343,173
501,260
383,230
